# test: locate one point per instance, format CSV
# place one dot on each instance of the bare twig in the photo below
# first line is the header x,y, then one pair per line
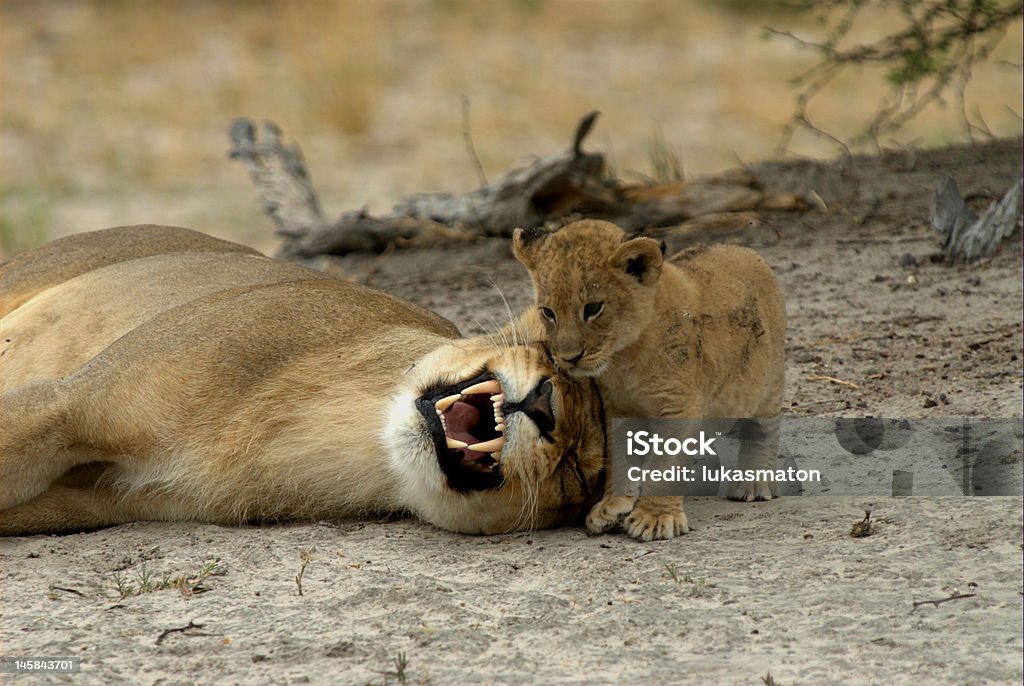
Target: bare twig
x,y
832,379
180,630
939,601
305,555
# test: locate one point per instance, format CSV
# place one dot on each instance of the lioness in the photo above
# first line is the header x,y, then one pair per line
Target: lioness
x,y
157,373
699,336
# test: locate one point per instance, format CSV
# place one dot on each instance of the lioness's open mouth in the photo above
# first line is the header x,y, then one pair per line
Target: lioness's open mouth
x,y
467,422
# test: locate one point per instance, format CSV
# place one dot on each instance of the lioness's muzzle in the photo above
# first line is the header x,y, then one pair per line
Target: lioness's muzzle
x,y
467,422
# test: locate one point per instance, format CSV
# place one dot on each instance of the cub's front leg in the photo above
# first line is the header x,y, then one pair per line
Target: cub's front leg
x,y
644,517
647,518
758,450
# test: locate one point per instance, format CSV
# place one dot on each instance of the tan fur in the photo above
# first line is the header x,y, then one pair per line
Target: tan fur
x,y
157,373
700,335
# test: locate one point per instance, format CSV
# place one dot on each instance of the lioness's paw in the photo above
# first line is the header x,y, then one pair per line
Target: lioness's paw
x,y
657,518
752,490
608,512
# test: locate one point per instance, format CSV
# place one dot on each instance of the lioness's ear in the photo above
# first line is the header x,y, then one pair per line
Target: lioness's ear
x,y
525,243
640,258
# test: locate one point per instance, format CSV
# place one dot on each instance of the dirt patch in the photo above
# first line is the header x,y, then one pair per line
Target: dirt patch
x,y
778,587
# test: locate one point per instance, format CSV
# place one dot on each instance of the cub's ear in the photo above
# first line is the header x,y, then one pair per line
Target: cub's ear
x,y
640,258
525,243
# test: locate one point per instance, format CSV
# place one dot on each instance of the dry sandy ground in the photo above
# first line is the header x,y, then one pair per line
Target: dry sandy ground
x,y
778,587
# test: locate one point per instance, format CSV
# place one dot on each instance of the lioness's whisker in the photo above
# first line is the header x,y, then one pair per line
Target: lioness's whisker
x,y
516,339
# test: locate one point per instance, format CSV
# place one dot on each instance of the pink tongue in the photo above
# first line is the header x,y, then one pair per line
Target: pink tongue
x,y
459,418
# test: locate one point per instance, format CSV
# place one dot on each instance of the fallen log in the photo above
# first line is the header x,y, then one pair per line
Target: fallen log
x,y
562,185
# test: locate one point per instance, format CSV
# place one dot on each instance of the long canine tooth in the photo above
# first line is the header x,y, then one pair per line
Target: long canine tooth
x,y
454,444
444,403
488,387
493,445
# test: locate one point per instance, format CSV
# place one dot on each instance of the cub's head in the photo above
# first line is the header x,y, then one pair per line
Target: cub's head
x,y
594,290
491,440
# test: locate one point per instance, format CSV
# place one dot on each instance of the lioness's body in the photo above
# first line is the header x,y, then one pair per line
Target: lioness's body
x,y
198,380
701,335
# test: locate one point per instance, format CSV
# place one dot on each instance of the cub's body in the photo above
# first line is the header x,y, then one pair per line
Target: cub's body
x,y
701,335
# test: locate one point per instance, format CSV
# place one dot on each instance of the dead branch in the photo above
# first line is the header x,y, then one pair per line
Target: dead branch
x,y
964,236
552,188
279,173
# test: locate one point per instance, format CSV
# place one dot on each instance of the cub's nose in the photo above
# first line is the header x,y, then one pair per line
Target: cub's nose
x,y
570,359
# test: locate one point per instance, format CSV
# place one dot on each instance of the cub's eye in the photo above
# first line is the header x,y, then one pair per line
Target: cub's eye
x,y
591,310
547,313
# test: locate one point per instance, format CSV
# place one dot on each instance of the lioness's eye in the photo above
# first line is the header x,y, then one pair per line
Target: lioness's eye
x,y
591,310
548,313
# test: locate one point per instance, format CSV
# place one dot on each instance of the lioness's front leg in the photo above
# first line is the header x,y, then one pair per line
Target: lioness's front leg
x,y
60,509
34,451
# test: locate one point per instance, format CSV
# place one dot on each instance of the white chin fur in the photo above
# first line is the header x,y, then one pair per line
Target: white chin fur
x,y
421,485
410,449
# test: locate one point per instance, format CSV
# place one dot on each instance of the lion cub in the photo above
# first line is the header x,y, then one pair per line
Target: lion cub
x,y
700,335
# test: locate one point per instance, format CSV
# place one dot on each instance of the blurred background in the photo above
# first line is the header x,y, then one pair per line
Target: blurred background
x,y
116,111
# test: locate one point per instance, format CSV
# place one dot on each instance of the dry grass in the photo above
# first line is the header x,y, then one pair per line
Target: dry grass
x,y
116,112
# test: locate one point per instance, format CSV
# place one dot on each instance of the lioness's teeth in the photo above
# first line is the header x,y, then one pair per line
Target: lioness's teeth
x,y
454,444
492,445
498,399
499,427
487,387
443,404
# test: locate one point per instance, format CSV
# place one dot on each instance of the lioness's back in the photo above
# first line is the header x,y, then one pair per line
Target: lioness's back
x,y
65,258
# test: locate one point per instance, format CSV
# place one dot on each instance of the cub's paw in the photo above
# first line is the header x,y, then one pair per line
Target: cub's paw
x,y
752,490
608,512
657,518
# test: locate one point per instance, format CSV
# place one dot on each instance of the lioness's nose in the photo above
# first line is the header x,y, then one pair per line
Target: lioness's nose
x,y
537,406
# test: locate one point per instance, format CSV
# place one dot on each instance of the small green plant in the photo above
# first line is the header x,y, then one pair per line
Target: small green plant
x,y
400,672
401,664
683,578
146,582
